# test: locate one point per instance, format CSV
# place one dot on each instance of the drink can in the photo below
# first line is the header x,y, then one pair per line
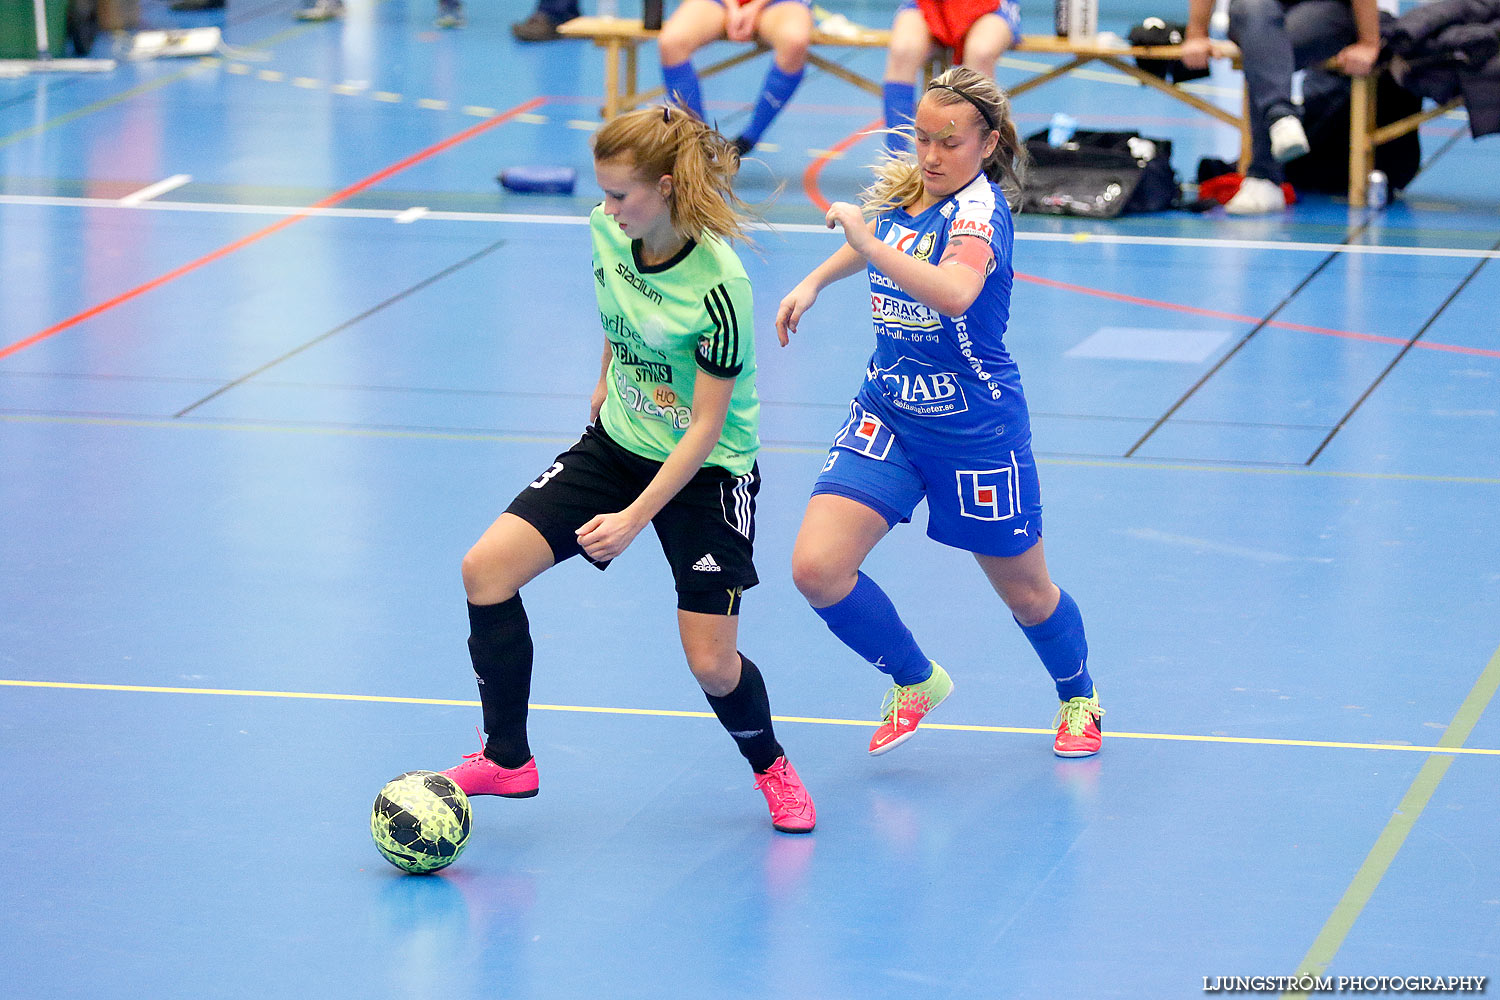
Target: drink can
x,y
1060,17
1377,189
651,15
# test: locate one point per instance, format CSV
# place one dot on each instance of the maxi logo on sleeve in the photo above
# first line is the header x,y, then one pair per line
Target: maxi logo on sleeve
x,y
920,389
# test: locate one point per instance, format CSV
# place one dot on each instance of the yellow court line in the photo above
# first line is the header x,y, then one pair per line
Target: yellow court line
x,y
676,714
396,433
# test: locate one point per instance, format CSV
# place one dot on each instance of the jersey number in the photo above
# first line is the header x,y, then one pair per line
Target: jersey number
x,y
542,481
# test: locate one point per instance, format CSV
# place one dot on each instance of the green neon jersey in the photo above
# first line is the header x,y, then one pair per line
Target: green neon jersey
x,y
664,323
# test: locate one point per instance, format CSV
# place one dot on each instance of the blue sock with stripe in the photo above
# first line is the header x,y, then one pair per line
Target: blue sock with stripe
x,y
682,86
866,621
900,101
774,94
1060,642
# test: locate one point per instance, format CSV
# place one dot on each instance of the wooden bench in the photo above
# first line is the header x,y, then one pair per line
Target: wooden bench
x,y
621,37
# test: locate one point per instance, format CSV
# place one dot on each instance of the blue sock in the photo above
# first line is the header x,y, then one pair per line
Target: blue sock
x,y
774,94
900,105
866,621
682,86
1060,642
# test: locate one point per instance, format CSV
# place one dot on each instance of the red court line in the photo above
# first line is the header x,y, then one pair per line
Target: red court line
x,y
1321,331
810,186
810,175
274,227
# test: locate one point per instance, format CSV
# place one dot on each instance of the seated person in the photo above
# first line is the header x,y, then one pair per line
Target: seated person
x,y
1277,38
978,31
784,25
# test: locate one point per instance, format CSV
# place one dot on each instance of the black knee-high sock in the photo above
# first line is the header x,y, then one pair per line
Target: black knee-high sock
x,y
500,646
746,713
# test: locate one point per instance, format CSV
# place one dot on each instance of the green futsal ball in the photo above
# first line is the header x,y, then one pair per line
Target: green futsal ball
x,y
420,821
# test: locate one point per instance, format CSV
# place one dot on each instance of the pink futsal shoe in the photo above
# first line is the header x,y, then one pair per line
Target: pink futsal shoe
x,y
791,807
478,775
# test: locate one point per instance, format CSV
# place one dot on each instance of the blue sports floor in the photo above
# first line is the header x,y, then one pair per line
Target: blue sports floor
x,y
251,420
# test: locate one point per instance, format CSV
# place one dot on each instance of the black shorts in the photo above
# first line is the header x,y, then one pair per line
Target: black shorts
x,y
707,530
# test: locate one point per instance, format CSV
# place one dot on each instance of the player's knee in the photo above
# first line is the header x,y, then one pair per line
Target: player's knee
x,y
819,580
483,583
903,59
674,45
716,671
1031,605
791,52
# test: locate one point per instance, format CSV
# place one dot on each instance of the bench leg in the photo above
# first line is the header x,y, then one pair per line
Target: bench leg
x,y
1361,136
611,78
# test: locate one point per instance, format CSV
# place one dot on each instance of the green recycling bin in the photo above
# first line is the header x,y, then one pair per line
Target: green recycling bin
x,y
18,28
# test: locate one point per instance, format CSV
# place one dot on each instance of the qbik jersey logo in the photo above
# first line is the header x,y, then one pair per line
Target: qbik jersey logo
x,y
909,241
920,388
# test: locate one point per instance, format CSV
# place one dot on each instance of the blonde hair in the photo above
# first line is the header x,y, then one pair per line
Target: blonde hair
x,y
898,178
666,139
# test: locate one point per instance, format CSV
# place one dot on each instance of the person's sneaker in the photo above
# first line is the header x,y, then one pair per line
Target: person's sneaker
x,y
321,10
791,807
478,775
1256,196
906,706
1078,731
536,28
1288,139
451,14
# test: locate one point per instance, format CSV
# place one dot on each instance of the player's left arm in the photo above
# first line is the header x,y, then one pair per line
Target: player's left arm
x,y
607,535
720,362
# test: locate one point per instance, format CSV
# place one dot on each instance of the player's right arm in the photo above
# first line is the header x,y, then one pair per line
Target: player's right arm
x,y
596,403
844,262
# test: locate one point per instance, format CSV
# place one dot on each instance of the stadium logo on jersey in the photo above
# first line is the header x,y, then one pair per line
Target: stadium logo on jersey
x,y
988,494
638,283
864,433
924,246
972,227
920,388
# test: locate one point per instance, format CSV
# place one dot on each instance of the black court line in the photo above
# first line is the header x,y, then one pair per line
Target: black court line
x,y
1261,325
425,282
27,98
1399,355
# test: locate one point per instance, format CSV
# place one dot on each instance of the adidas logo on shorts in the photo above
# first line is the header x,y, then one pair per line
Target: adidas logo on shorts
x,y
706,565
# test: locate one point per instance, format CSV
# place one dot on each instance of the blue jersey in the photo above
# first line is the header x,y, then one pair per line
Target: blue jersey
x,y
947,384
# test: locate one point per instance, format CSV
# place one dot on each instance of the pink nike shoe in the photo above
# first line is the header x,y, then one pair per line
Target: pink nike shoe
x,y
478,775
791,807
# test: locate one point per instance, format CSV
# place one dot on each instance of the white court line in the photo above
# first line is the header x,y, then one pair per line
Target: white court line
x,y
513,218
410,215
152,190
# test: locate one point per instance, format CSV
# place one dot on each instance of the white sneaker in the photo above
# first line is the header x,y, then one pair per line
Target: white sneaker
x,y
1256,196
1288,139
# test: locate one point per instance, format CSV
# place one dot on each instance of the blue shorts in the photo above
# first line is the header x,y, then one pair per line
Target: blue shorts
x,y
989,503
1010,13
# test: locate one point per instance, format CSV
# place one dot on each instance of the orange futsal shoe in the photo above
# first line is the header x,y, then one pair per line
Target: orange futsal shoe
x,y
905,706
1078,731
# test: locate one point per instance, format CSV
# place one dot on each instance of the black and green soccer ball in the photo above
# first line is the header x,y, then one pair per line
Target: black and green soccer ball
x,y
420,821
